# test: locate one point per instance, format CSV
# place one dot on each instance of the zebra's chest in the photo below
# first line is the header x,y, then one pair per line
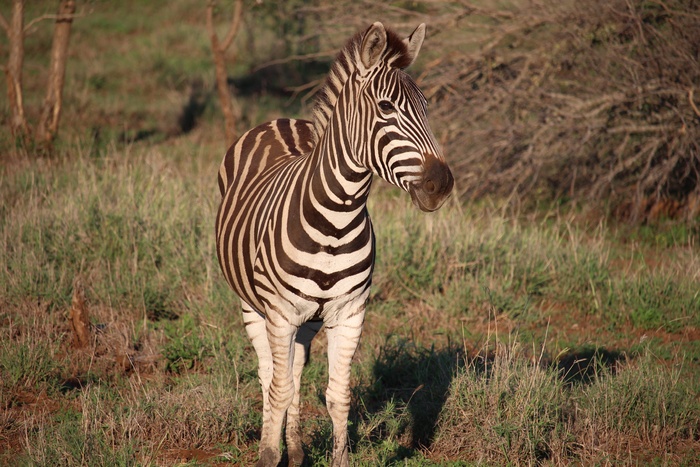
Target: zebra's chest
x,y
313,277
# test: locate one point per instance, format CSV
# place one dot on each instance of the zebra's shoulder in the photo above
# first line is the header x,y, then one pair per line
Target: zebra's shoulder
x,y
298,135
265,147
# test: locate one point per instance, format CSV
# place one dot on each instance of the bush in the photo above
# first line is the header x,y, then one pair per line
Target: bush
x,y
591,101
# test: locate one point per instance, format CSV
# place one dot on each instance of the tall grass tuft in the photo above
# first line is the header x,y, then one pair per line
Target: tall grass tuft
x,y
506,410
643,403
503,409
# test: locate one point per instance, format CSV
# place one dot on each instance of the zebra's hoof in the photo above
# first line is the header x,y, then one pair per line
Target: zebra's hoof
x,y
269,458
296,456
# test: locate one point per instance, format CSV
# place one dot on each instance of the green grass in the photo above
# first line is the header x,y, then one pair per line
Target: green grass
x,y
504,410
135,256
71,441
27,364
481,343
491,338
641,401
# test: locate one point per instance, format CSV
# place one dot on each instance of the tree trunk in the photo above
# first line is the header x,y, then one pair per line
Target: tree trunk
x,y
218,50
13,72
223,90
51,113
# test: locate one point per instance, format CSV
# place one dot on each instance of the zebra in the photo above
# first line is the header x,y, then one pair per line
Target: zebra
x,y
293,235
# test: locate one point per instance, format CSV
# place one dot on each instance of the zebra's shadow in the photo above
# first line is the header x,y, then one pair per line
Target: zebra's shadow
x,y
410,387
396,409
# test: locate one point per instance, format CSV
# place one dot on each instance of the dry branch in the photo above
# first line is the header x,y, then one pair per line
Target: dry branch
x,y
60,16
691,101
4,24
600,108
235,25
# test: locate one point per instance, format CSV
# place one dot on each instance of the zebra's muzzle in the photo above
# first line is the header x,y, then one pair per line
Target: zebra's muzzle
x,y
435,185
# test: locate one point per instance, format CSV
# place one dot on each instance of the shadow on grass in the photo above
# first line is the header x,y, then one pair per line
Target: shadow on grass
x,y
407,393
581,366
395,414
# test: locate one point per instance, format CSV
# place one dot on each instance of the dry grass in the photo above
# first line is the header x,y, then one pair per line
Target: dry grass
x,y
168,375
492,336
505,410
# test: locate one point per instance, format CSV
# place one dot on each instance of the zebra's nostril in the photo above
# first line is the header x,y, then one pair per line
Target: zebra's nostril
x,y
429,187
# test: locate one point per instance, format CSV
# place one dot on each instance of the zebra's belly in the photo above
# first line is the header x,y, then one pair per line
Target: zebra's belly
x,y
302,298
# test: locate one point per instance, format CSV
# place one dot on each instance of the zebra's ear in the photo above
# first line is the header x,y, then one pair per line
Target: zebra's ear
x,y
373,45
414,42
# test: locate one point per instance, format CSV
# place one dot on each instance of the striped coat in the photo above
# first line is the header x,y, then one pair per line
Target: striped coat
x,y
294,238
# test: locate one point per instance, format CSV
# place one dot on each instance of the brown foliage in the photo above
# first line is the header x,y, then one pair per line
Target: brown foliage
x,y
594,102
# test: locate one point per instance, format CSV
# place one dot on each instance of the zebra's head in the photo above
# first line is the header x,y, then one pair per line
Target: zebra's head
x,y
401,149
379,115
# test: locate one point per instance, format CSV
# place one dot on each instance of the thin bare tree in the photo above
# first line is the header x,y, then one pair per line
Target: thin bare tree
x,y
16,30
50,115
13,71
218,50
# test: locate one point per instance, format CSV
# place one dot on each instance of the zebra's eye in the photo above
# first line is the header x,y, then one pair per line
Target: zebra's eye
x,y
386,106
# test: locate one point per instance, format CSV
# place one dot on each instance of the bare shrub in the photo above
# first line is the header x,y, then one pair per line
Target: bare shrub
x,y
594,101
218,48
16,31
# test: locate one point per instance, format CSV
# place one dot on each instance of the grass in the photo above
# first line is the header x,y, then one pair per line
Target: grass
x,y
492,337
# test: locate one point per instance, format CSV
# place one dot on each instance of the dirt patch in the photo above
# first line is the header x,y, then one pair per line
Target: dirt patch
x,y
21,409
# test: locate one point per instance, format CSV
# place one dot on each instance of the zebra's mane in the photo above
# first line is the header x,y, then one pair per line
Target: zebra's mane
x,y
347,60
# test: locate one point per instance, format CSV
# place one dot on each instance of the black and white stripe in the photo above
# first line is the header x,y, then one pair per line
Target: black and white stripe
x,y
294,238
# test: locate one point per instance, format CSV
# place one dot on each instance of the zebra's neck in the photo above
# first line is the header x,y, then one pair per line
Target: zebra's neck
x,y
341,180
338,186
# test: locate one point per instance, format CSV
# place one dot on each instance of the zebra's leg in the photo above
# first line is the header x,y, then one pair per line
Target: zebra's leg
x,y
306,333
281,336
255,327
342,343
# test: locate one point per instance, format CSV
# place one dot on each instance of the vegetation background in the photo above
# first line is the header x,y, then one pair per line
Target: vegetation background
x,y
548,315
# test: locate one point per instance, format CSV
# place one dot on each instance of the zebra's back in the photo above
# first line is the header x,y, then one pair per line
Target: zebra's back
x,y
260,151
